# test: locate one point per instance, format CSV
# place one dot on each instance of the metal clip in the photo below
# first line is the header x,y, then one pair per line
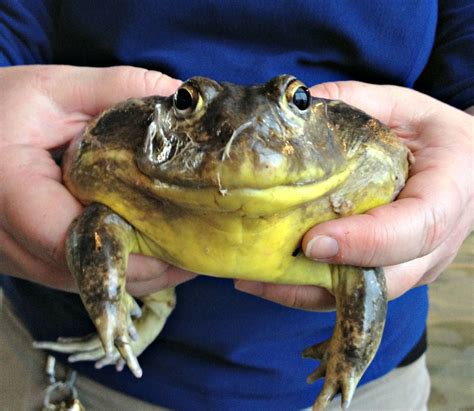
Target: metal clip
x,y
60,395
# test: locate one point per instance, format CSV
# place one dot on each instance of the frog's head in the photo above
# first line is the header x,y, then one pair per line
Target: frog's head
x,y
258,149
263,148
229,136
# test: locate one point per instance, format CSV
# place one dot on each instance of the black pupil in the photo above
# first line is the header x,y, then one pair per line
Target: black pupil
x,y
183,100
301,98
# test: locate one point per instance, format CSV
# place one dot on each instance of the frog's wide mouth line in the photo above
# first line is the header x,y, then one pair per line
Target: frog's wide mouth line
x,y
250,201
258,201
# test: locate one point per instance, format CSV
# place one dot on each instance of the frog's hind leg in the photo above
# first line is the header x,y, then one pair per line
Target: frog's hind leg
x,y
361,303
98,246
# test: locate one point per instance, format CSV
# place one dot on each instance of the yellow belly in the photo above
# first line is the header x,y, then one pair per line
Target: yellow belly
x,y
199,234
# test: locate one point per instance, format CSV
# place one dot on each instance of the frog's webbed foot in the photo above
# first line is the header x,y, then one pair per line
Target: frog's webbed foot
x,y
87,348
147,325
91,347
361,302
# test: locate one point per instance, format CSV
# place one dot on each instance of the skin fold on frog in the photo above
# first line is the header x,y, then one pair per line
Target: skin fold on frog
x,y
235,175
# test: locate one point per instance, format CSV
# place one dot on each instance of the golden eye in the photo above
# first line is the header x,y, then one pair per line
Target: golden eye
x,y
185,99
297,94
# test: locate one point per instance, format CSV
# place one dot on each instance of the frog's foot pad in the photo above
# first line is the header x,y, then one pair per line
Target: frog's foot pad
x,y
340,375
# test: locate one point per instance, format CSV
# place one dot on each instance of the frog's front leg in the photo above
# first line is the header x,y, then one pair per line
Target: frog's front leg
x,y
361,304
97,249
155,311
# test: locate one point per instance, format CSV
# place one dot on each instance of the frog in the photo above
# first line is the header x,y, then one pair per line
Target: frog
x,y
236,175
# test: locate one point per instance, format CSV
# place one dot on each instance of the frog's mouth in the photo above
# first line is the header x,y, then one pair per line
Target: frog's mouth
x,y
247,200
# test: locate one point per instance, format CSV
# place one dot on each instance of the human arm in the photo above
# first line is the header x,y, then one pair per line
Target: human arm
x,y
41,109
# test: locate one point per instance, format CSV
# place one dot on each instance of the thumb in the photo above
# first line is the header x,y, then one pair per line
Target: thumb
x,y
91,90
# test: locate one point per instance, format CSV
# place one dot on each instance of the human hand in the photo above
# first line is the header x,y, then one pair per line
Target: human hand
x,y
418,235
42,108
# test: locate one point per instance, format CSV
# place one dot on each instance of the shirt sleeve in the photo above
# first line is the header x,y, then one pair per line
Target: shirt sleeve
x,y
26,31
449,73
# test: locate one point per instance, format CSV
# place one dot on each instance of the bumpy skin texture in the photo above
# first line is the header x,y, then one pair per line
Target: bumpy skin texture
x,y
235,175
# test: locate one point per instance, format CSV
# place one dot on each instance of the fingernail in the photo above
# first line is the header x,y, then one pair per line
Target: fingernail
x,y
322,247
249,287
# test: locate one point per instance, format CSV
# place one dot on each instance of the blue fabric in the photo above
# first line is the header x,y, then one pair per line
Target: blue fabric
x,y
222,349
249,41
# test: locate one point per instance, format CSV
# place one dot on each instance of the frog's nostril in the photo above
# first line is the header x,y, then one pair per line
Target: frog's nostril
x,y
159,148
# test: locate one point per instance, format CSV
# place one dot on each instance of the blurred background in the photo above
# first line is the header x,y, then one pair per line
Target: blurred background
x,y
451,334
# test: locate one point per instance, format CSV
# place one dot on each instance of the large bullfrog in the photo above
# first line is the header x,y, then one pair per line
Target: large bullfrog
x,y
234,175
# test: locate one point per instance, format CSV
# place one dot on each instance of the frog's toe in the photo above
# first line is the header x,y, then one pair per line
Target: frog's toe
x,y
126,351
97,354
332,387
92,355
317,352
70,345
116,329
120,365
134,309
88,348
89,338
102,361
340,374
132,330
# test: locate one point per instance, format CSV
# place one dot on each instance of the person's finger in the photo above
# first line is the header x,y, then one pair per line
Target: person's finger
x,y
400,278
409,228
40,225
420,271
399,110
143,268
36,208
172,277
426,269
91,90
45,240
55,102
16,260
307,297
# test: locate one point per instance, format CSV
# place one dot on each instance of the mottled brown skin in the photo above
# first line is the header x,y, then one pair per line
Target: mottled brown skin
x,y
360,322
245,172
97,254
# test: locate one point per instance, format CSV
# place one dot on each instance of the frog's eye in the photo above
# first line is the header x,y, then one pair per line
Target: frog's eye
x,y
298,95
185,99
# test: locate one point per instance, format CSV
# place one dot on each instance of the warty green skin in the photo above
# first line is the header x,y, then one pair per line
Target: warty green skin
x,y
250,138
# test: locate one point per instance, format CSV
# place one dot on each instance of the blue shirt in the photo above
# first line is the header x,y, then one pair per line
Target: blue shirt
x,y
222,349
